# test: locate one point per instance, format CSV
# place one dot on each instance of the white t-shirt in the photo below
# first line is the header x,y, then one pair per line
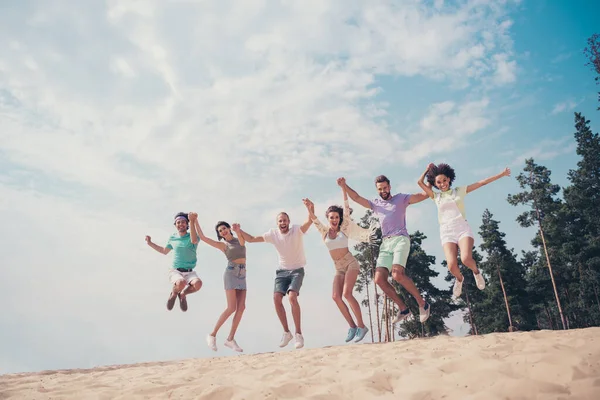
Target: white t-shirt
x,y
290,247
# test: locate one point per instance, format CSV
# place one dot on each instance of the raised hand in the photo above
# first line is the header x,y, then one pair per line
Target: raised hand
x,y
309,205
148,239
341,182
430,166
506,171
236,227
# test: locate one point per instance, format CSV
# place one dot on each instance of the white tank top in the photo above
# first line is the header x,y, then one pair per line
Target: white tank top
x,y
339,242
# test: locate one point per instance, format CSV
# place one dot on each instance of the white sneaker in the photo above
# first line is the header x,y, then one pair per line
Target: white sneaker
x,y
299,341
457,290
424,312
232,344
212,342
401,316
479,280
287,337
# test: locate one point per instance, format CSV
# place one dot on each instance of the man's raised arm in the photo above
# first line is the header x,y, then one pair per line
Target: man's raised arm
x,y
311,212
352,193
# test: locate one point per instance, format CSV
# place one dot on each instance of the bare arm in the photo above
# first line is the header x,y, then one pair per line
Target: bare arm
x,y
193,218
417,197
311,211
250,238
160,249
207,240
485,181
311,215
423,185
352,193
236,228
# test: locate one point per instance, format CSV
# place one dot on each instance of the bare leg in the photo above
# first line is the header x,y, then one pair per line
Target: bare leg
x,y
278,300
239,311
295,310
451,251
177,287
381,279
192,287
466,254
349,282
338,288
231,308
400,276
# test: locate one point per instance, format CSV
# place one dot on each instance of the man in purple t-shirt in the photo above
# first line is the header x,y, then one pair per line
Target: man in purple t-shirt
x,y
394,249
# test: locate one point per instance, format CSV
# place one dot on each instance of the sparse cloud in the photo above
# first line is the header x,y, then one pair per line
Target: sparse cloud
x,y
566,105
561,57
546,150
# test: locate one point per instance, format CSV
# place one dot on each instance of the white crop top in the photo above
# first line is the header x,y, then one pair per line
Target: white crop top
x,y
339,242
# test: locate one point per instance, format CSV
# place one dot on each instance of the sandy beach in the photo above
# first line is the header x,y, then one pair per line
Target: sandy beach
x,y
520,365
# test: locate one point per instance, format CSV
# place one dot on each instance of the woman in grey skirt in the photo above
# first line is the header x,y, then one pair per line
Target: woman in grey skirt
x,y
234,279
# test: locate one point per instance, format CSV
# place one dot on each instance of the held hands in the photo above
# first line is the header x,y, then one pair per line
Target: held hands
x,y
192,216
236,228
341,182
309,206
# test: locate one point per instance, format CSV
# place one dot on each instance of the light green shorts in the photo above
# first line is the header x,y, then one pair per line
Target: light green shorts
x,y
393,251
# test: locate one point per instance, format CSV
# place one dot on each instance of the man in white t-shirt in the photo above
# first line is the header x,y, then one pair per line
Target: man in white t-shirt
x,y
289,242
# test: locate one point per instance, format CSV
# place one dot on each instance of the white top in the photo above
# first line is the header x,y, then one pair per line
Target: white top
x,y
290,247
340,241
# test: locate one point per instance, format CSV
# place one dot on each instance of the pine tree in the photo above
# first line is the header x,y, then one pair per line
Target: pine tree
x,y
582,230
545,211
539,290
506,277
592,52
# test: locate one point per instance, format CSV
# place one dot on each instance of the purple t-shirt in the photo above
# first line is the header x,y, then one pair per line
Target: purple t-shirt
x,y
391,214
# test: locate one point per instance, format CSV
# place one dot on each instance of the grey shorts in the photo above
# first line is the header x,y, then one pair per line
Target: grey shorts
x,y
286,280
234,277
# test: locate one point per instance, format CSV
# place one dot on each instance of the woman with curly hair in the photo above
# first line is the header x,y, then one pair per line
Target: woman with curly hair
x,y
455,231
234,279
341,227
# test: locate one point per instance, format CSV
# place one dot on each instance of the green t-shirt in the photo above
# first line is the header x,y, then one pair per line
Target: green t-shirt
x,y
184,251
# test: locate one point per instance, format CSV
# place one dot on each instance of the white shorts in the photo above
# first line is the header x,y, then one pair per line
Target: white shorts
x,y
452,232
176,276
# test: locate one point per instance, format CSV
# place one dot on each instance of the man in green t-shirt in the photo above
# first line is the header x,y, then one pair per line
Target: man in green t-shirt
x,y
184,245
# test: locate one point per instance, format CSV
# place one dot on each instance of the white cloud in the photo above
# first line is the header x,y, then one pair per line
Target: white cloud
x,y
505,70
566,105
546,150
117,115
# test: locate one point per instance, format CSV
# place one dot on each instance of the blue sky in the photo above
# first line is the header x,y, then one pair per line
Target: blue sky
x,y
117,115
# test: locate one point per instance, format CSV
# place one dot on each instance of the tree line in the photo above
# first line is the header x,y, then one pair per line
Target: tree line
x,y
554,286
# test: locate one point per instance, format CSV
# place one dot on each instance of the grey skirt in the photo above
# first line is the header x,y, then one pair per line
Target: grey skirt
x,y
234,277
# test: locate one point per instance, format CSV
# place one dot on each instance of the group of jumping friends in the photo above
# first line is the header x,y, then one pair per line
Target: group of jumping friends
x,y
455,234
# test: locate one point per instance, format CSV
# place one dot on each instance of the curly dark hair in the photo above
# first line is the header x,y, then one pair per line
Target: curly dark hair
x,y
440,169
221,223
338,210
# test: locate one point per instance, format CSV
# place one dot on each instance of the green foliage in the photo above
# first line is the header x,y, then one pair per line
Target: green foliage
x,y
592,52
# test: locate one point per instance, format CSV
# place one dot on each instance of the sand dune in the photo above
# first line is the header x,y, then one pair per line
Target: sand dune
x,y
534,365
